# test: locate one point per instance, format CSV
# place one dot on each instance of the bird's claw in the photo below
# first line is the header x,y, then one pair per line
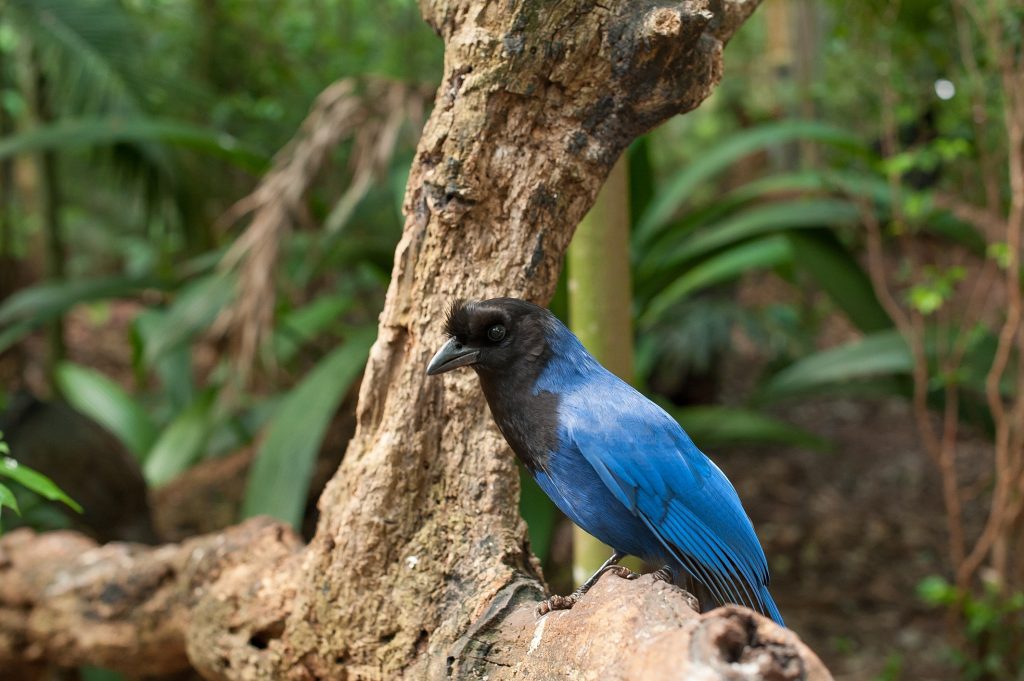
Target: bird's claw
x,y
558,603
566,602
663,574
621,571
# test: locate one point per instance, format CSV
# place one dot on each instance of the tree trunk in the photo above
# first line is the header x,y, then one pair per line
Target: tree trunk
x,y
420,566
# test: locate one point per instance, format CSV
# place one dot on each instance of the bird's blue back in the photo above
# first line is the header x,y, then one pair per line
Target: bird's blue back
x,y
628,474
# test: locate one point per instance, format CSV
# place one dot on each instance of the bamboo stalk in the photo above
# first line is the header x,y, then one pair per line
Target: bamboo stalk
x,y
600,309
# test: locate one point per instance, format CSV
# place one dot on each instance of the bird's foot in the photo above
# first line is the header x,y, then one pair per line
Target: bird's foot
x,y
566,602
663,574
620,571
559,603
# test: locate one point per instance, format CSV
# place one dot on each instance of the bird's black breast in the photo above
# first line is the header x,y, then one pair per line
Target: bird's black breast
x,y
528,421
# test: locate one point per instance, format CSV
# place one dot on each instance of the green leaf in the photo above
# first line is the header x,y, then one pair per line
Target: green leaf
x,y
302,325
36,482
681,186
46,301
839,274
15,332
279,479
925,299
810,182
935,590
1000,252
773,188
181,444
85,48
8,499
6,494
879,354
728,265
98,674
710,426
84,133
195,308
758,221
173,367
230,434
95,395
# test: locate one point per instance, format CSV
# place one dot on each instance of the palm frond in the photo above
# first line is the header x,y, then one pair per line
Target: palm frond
x,y
87,48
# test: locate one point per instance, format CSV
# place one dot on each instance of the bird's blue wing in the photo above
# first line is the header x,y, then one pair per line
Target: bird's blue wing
x,y
652,467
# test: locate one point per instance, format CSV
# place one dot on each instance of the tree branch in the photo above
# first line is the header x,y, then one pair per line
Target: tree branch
x,y
420,566
129,607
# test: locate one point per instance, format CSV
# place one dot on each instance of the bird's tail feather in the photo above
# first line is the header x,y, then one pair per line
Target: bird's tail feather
x,y
769,608
766,604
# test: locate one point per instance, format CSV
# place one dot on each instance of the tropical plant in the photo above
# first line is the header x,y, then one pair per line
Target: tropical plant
x,y
33,482
793,223
334,278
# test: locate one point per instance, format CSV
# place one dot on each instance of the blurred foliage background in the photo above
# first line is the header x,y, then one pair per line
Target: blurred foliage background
x,y
199,201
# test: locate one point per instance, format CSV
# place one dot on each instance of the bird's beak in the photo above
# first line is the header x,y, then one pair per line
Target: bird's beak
x,y
452,355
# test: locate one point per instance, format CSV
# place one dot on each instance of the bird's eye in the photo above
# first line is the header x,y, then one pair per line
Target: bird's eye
x,y
496,333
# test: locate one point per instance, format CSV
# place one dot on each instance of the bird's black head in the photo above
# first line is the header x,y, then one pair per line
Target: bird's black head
x,y
493,336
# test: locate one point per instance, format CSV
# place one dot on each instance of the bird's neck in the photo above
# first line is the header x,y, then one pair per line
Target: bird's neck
x,y
528,418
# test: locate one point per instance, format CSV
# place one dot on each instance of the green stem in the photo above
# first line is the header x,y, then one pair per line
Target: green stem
x,y
600,308
48,205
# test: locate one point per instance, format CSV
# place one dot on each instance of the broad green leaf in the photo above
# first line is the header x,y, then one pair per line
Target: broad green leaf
x,y
759,221
949,227
8,499
648,256
230,434
279,479
195,308
181,444
83,133
710,426
46,301
302,325
725,266
14,333
173,367
85,49
842,183
35,482
95,395
879,354
839,274
26,310
682,185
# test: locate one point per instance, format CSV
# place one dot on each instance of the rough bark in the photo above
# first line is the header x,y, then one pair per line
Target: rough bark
x,y
420,565
66,601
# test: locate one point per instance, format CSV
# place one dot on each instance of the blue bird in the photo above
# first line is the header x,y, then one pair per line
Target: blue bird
x,y
613,461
